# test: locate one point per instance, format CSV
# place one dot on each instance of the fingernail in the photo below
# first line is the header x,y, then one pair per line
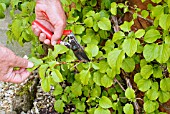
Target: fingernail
x,y
54,43
30,65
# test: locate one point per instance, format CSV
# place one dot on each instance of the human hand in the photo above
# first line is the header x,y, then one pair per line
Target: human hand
x,y
51,15
8,61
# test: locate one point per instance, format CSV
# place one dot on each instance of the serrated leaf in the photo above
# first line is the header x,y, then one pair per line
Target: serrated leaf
x,y
139,33
150,106
92,50
163,54
144,13
118,35
165,84
85,76
42,70
164,96
126,26
151,36
105,102
97,78
128,64
130,93
150,52
157,72
144,84
76,89
146,71
106,81
89,22
100,110
113,8
59,106
164,21
130,46
58,90
59,49
57,76
152,94
104,24
128,109
45,84
115,59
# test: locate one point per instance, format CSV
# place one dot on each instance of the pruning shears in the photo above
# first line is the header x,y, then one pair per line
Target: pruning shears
x,y
72,42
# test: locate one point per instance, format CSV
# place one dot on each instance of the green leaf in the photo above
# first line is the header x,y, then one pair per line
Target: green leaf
x,y
100,110
150,52
92,50
152,94
37,62
149,106
165,84
156,1
128,64
118,35
42,70
45,84
130,46
17,24
163,54
59,106
115,59
56,75
137,77
85,76
58,90
151,36
105,102
157,72
144,84
59,49
164,21
128,109
96,92
15,3
126,26
146,71
97,78
76,89
78,29
113,8
144,13
140,33
130,93
164,96
106,81
89,22
93,2
104,24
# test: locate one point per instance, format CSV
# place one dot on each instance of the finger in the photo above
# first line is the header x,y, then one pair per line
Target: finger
x,y
47,42
19,78
37,31
42,37
21,62
5,74
19,71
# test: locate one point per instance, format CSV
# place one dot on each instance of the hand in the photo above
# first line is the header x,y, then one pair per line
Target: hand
x,y
8,60
50,14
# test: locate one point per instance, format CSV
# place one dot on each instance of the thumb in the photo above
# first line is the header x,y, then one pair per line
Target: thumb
x,y
57,34
22,62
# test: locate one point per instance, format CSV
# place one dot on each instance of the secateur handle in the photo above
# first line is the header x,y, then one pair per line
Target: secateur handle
x,y
48,32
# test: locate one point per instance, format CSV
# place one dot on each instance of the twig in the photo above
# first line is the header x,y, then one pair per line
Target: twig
x,y
115,80
115,23
136,105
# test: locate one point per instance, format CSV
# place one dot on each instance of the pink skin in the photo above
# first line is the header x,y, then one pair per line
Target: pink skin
x,y
51,15
8,61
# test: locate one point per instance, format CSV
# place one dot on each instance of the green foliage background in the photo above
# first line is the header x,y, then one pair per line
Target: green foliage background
x,y
121,66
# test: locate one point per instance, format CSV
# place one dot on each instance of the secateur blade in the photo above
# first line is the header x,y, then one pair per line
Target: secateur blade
x,y
77,48
72,42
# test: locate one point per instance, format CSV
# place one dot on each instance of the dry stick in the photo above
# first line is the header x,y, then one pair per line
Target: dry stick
x,y
136,105
115,80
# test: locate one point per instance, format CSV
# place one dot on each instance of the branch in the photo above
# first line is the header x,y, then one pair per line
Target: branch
x,y
115,80
136,105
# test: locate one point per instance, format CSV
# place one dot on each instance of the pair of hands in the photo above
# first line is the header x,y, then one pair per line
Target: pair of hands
x,y
53,19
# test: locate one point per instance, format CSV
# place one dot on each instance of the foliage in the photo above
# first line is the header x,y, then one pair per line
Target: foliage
x,y
122,63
